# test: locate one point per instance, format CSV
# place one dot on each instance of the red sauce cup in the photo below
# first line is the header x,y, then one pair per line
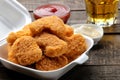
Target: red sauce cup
x,y
60,10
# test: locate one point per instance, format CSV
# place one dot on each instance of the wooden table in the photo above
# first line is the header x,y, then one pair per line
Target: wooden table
x,y
104,58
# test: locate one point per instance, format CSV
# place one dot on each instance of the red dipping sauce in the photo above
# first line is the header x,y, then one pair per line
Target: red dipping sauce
x,y
59,10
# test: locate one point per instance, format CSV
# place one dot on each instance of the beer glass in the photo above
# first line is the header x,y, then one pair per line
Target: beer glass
x,y
102,12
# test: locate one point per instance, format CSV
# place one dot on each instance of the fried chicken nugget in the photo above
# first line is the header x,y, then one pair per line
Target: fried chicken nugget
x,y
76,46
36,27
69,31
25,51
11,38
11,55
47,63
56,26
51,23
53,46
14,35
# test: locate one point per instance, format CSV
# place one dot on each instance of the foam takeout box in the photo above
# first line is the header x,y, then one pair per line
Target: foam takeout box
x,y
12,18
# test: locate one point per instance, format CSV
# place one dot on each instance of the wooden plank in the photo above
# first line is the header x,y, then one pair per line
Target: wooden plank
x,y
93,73
79,72
81,17
6,74
73,4
106,52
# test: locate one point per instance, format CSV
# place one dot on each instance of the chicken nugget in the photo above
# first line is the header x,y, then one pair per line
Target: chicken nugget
x,y
23,32
11,56
14,35
53,24
11,38
25,50
76,46
47,63
53,46
36,27
56,26
69,30
8,47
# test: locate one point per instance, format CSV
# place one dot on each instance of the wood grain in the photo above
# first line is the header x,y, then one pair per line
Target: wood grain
x,y
93,73
106,52
79,72
73,4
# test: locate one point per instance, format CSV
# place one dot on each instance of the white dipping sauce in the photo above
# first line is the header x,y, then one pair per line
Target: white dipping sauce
x,y
89,31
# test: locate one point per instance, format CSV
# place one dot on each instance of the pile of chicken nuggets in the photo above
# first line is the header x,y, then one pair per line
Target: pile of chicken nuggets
x,y
46,43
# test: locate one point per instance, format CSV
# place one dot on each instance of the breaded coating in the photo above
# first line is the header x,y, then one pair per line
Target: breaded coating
x,y
25,50
36,27
69,31
14,35
8,47
76,46
11,38
48,63
53,46
11,56
53,24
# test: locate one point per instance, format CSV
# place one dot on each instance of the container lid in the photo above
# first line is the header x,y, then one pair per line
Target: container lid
x,y
13,16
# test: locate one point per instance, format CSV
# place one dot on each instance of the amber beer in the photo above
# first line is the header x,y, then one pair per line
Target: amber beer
x,y
102,12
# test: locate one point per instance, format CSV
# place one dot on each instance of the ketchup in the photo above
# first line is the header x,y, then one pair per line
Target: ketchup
x,y
59,10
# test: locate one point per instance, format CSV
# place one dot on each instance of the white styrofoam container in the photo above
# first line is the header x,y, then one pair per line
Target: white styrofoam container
x,y
45,75
13,17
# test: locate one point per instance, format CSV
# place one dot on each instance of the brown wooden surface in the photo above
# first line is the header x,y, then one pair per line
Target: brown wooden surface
x,y
104,58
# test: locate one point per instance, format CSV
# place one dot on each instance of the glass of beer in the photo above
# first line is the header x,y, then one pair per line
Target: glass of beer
x,y
102,12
